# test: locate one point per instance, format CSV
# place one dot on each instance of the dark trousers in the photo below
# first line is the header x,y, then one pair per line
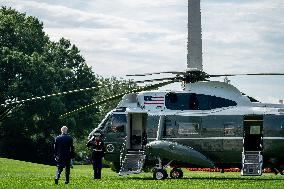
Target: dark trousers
x,y
61,164
97,166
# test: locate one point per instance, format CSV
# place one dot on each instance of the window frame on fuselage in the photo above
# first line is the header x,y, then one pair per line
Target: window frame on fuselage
x,y
194,101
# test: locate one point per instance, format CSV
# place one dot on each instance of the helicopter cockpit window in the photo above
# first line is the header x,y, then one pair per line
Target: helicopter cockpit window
x,y
104,124
192,101
116,123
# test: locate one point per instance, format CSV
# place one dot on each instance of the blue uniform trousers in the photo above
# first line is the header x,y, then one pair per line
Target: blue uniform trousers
x,y
97,166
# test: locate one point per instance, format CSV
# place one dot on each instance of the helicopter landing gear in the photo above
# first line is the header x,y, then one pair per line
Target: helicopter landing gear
x,y
160,172
176,173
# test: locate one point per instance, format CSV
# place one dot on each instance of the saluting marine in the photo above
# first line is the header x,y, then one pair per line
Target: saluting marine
x,y
97,146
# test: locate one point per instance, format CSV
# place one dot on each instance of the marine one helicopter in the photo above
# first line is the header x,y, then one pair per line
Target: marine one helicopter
x,y
207,124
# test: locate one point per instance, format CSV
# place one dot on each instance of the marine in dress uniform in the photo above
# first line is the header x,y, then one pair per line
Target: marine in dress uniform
x,y
97,146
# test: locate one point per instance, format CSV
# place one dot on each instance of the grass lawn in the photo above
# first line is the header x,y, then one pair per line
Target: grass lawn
x,y
17,174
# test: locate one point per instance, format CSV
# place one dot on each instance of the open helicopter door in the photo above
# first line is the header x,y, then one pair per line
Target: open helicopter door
x,y
133,156
252,145
136,130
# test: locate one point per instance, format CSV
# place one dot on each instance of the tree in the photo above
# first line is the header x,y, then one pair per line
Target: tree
x,y
114,86
32,65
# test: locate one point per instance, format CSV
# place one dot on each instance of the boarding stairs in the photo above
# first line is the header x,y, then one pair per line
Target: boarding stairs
x,y
251,163
132,162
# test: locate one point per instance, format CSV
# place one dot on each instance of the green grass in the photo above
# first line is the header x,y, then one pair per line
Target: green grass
x,y
17,174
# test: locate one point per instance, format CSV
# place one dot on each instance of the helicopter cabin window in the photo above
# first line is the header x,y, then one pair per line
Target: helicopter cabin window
x,y
169,128
192,101
116,123
188,128
232,129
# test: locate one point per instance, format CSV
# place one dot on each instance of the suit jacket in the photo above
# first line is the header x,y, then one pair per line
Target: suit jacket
x,y
63,147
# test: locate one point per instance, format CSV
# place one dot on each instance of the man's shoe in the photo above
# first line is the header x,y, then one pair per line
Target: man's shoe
x,y
56,181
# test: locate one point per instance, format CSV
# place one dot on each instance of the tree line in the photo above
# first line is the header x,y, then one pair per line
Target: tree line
x,y
33,65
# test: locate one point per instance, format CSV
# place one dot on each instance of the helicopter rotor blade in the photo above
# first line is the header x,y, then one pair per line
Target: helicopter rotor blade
x,y
158,79
139,89
11,102
5,111
191,76
248,74
156,73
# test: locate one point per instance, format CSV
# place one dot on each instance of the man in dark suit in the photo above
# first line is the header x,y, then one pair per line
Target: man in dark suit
x,y
63,153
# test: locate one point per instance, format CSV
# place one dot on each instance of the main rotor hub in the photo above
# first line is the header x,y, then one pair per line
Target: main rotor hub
x,y
193,76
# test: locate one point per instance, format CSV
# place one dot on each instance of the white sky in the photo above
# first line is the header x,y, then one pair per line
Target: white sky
x,y
119,37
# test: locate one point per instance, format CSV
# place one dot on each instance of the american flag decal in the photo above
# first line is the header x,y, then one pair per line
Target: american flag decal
x,y
154,100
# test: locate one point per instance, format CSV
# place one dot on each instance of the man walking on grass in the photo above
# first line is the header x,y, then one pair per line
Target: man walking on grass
x,y
63,153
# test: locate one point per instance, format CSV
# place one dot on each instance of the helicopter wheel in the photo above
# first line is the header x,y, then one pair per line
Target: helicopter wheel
x,y
176,173
160,174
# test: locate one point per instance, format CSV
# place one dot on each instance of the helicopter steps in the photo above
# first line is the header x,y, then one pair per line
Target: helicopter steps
x,y
133,162
252,163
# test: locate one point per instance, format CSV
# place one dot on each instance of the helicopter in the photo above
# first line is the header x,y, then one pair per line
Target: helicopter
x,y
206,124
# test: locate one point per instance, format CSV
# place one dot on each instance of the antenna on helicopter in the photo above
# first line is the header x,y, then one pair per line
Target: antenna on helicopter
x,y
227,80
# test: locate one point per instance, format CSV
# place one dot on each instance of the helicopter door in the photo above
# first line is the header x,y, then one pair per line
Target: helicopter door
x,y
136,131
253,126
252,159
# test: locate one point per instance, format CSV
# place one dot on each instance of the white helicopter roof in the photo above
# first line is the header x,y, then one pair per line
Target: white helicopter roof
x,y
128,100
212,88
153,102
219,89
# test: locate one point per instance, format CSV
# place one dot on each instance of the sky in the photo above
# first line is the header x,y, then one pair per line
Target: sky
x,y
119,37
